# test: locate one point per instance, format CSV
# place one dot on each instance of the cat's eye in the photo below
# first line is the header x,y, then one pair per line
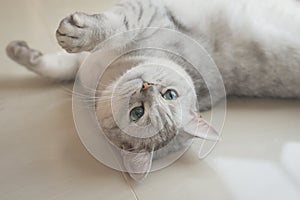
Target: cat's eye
x,y
136,113
170,95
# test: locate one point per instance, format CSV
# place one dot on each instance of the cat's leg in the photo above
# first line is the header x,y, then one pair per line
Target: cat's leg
x,y
59,66
82,32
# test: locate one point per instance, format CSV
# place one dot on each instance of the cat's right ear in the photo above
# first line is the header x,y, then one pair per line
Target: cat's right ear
x,y
198,127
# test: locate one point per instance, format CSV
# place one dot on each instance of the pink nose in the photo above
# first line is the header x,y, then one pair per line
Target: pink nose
x,y
146,86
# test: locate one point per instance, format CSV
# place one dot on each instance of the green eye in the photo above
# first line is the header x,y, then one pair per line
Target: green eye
x,y
136,113
170,95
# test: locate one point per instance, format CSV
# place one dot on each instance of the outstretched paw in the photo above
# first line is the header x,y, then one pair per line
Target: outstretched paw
x,y
78,32
20,52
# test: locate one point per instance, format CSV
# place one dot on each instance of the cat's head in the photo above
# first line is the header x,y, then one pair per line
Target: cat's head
x,y
145,109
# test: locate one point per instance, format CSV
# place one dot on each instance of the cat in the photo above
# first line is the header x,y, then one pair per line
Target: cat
x,y
255,45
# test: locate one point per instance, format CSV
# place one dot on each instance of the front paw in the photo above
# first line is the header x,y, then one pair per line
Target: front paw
x,y
21,53
78,32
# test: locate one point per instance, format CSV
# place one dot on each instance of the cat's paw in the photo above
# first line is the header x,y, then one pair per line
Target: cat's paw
x,y
20,52
78,32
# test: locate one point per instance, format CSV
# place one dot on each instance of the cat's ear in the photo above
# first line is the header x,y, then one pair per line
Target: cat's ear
x,y
198,127
137,164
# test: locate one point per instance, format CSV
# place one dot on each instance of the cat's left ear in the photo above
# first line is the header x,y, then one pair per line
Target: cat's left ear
x,y
137,165
198,127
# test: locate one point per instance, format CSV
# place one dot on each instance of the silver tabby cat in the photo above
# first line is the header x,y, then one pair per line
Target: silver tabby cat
x,y
255,44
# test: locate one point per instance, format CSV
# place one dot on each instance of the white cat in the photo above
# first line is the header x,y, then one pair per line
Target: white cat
x,y
255,45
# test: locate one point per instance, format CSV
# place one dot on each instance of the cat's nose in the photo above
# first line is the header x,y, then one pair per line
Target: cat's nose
x,y
146,85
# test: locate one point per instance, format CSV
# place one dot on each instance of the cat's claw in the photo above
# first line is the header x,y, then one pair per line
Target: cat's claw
x,y
77,33
20,52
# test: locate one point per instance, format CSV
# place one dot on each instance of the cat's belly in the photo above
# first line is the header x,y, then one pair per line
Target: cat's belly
x,y
255,44
249,77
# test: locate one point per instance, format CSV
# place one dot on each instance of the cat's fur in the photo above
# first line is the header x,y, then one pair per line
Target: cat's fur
x,y
255,45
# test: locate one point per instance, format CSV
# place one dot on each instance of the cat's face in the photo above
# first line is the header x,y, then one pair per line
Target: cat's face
x,y
147,107
150,104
